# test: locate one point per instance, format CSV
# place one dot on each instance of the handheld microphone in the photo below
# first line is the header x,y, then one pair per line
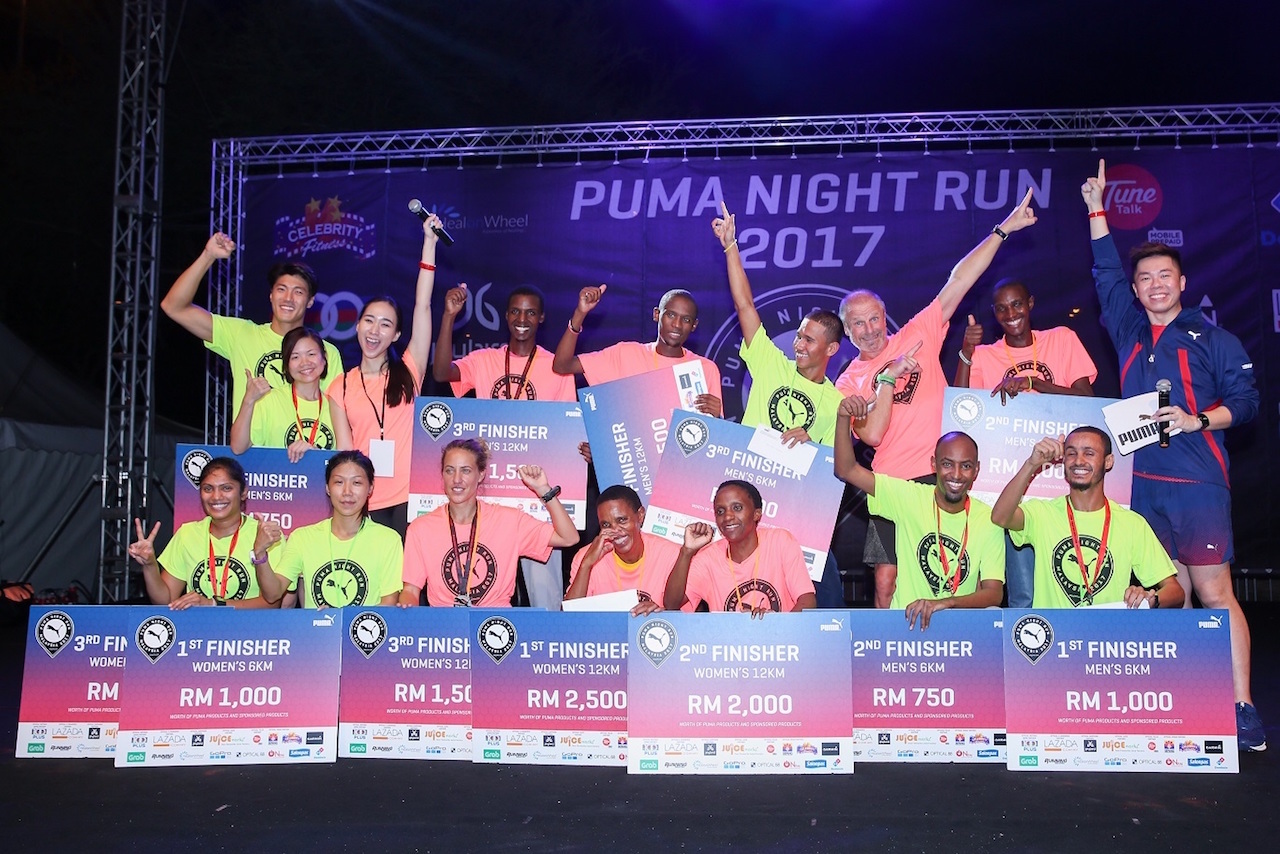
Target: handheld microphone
x,y
422,213
1163,387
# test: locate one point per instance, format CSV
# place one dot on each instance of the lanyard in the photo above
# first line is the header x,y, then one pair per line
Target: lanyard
x,y
380,416
220,591
506,377
1035,363
464,595
942,551
315,425
755,573
1102,550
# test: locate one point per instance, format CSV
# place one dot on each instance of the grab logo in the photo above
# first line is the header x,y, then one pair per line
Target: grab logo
x,y
1132,197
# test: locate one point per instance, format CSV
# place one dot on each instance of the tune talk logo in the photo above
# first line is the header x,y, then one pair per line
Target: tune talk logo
x,y
1132,197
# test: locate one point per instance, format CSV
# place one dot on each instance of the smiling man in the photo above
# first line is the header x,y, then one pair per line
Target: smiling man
x,y
904,450
249,346
958,553
1088,548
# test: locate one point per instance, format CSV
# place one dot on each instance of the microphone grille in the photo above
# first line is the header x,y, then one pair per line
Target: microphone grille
x,y
415,206
1163,385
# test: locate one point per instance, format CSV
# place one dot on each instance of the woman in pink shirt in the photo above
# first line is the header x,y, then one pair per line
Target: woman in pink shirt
x,y
465,552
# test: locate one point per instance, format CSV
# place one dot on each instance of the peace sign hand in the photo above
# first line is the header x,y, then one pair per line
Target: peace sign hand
x,y
144,549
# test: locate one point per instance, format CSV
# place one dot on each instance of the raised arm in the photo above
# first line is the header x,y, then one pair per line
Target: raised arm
x,y
847,467
696,535
443,367
972,338
179,303
242,428
565,360
565,533
1007,512
420,331
162,588
1092,189
726,229
972,266
872,425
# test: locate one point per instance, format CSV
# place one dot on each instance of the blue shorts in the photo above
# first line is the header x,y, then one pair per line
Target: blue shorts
x,y
1191,520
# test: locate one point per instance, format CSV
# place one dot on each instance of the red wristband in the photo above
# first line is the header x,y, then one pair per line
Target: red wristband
x,y
1093,214
431,268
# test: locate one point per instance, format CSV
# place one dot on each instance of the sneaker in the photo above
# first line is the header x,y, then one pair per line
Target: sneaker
x,y
1250,735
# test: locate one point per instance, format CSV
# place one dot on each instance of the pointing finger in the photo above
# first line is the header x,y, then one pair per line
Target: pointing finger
x,y
914,348
1102,170
1026,200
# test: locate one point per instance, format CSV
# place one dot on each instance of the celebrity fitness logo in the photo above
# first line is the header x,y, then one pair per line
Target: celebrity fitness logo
x,y
1132,197
781,311
324,226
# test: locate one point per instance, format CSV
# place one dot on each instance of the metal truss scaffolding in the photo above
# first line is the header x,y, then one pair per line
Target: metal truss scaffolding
x,y
134,269
234,160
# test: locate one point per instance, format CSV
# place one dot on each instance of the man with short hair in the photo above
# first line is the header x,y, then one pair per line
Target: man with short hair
x,y
905,451
959,552
1087,546
250,346
1042,361
1183,490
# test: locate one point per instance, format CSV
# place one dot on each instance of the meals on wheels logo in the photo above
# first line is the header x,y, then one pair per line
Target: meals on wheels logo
x,y
324,226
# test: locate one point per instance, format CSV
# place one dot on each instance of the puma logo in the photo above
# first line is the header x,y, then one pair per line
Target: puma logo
x,y
1194,335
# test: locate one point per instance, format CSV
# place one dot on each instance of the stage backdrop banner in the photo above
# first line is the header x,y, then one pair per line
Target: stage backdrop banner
x,y
222,686
703,452
811,228
550,688
928,695
533,432
406,684
628,422
1107,689
71,682
728,694
1007,432
292,494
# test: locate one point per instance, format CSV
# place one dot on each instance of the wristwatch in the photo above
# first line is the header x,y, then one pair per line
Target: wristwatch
x,y
1204,421
550,494
1155,599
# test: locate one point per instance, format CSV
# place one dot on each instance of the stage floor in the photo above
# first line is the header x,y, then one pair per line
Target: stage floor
x,y
372,805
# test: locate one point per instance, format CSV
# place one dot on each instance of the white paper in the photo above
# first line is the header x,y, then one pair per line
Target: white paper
x,y
382,452
767,442
1131,430
620,600
1143,604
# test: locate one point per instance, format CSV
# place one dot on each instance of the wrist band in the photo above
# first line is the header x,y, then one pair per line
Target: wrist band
x,y
258,561
967,361
1000,234
1204,421
886,379
550,494
571,329
430,268
731,245
1029,388
1095,214
219,601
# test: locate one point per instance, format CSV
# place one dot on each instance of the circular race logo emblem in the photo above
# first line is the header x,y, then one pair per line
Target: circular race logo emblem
x,y
765,594
237,578
339,583
154,637
1036,367
436,418
931,563
966,409
482,573
324,434
1033,636
789,408
497,637
368,631
1069,575
271,366
193,465
657,640
510,384
691,434
54,631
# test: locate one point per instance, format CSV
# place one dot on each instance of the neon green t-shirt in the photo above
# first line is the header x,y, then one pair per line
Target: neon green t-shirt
x,y
1132,549
336,573
256,346
187,554
275,421
783,399
910,506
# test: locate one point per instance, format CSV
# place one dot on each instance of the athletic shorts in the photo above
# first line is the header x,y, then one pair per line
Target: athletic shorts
x,y
1191,520
881,533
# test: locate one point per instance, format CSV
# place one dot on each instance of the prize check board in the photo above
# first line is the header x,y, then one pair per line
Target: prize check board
x,y
550,688
628,422
518,432
292,494
1006,434
71,682
729,694
406,684
704,452
212,686
928,696
1104,689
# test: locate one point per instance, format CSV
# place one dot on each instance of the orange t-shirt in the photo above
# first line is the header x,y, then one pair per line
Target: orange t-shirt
x,y
774,575
364,405
610,574
485,370
504,536
908,444
1057,356
628,358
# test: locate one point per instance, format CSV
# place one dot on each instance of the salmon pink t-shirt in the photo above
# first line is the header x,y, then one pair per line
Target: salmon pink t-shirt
x,y
504,536
628,358
774,575
917,398
485,370
648,576
1057,356
364,405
